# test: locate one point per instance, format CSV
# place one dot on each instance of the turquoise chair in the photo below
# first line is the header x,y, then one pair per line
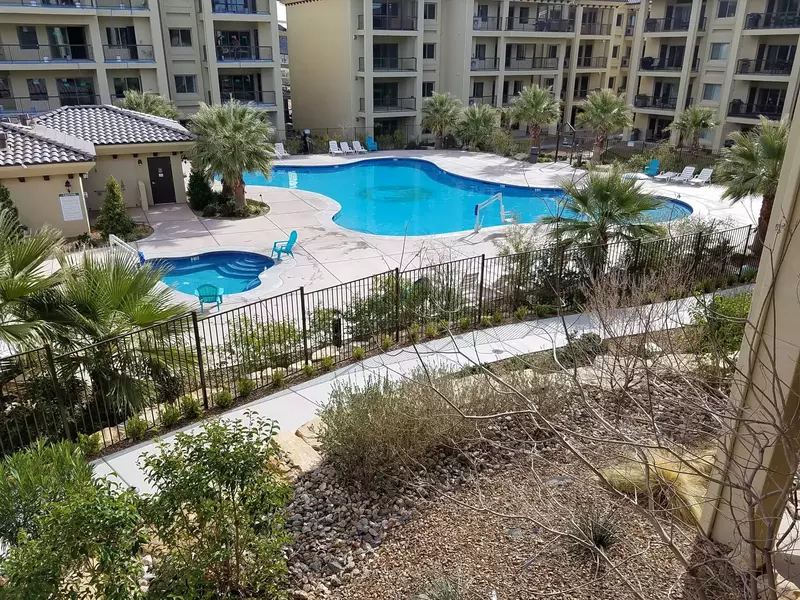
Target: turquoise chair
x,y
209,294
371,145
652,169
284,246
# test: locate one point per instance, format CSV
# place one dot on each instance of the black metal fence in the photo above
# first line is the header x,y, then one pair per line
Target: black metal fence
x,y
153,373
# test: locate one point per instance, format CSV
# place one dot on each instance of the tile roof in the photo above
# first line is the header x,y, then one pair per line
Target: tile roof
x,y
109,125
40,146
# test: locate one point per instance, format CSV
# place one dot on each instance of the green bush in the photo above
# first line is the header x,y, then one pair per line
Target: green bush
x,y
260,344
582,350
170,416
721,322
465,322
113,218
223,399
327,363
191,407
359,353
210,210
542,310
199,191
386,343
308,370
89,444
497,317
413,333
501,142
244,386
521,313
431,330
594,532
486,321
7,205
226,476
136,428
278,378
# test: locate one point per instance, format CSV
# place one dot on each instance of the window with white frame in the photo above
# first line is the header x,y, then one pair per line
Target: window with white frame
x,y
712,91
186,84
427,89
726,9
719,51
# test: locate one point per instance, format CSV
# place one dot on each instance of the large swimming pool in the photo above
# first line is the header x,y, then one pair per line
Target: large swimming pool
x,y
415,197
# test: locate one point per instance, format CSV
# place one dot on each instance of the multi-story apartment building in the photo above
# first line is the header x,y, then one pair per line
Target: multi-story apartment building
x,y
62,52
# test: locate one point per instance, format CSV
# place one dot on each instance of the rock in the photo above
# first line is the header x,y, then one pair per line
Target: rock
x,y
147,561
300,454
301,594
309,431
521,156
334,566
559,481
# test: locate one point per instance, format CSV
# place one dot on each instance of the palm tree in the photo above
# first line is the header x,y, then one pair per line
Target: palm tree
x,y
440,114
476,126
232,138
752,167
535,107
600,209
691,123
149,103
603,112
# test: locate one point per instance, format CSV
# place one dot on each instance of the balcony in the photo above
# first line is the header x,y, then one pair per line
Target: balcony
x,y
740,108
484,64
79,4
772,21
656,102
476,100
390,64
388,23
651,63
629,29
665,25
486,23
54,53
533,63
595,29
256,97
592,62
22,105
625,62
543,25
239,7
116,4
238,54
583,94
390,105
747,66
137,53
508,99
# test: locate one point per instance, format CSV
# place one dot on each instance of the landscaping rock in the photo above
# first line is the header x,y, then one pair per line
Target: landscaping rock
x,y
308,432
302,456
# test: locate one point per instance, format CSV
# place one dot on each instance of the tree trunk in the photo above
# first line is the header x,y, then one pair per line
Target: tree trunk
x,y
694,149
238,195
536,134
763,223
227,189
597,150
439,144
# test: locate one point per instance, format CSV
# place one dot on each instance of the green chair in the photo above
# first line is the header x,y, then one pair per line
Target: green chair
x,y
284,246
209,294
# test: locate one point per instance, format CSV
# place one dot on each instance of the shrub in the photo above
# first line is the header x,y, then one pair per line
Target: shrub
x,y
199,191
413,333
7,205
387,342
359,353
278,378
89,444
595,532
497,318
542,310
136,428
721,322
444,588
227,477
501,142
113,218
223,399
431,330
210,210
261,344
244,386
170,416
191,407
581,350
486,321
521,313
308,370
227,209
327,363
465,322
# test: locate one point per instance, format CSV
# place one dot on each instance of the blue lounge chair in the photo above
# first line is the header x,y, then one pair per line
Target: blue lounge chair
x,y
371,145
652,168
209,294
284,246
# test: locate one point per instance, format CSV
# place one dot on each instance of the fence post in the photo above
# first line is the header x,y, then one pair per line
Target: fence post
x,y
480,289
697,247
397,300
200,359
51,367
305,326
744,251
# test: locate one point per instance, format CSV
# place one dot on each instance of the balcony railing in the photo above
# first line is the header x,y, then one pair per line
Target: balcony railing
x,y
532,63
244,53
121,4
657,102
595,29
629,29
740,108
696,64
130,53
592,62
544,25
388,23
650,63
79,4
476,100
391,104
748,66
487,23
52,53
625,62
583,94
240,7
659,25
508,99
484,64
258,98
774,20
390,64
20,105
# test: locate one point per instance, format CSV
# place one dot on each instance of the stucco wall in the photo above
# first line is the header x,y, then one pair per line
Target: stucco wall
x,y
127,170
38,203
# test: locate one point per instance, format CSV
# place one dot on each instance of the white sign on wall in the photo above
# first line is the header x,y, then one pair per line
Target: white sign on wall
x,y
71,207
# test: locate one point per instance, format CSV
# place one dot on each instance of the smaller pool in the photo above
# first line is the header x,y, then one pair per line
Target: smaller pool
x,y
236,272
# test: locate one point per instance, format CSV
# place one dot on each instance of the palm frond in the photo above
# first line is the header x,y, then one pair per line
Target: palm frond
x,y
604,112
535,106
476,125
440,113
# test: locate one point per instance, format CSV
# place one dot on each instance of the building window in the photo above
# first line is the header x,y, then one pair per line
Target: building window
x,y
427,89
611,81
37,89
430,11
619,20
719,51
615,52
123,84
186,84
624,83
726,9
5,88
712,91
27,38
428,51
180,38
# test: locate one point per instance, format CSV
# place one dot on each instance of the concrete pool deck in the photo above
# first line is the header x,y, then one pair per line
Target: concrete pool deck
x,y
327,254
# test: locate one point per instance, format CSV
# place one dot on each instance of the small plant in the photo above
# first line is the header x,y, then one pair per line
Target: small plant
x,y
594,533
308,370
542,310
278,378
191,407
359,353
7,205
521,313
444,588
464,323
244,386
486,321
170,416
497,318
223,399
89,444
136,428
210,210
199,191
581,350
386,343
327,363
113,218
721,322
413,333
431,330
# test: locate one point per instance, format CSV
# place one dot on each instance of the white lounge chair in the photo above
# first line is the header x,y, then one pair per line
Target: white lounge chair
x,y
704,177
666,176
358,148
280,151
333,147
346,148
685,176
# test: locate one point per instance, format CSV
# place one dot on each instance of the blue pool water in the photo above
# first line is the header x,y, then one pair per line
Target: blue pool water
x,y
415,197
234,271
